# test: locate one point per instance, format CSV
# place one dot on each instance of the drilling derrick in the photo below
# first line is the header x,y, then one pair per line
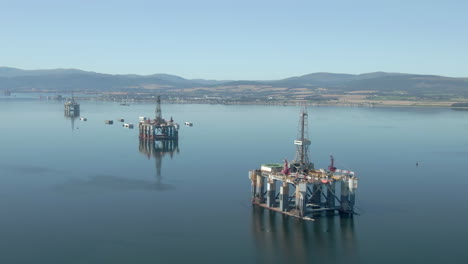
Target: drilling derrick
x,y
301,163
159,118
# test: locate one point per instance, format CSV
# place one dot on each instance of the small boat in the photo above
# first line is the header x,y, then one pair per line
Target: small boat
x,y
83,119
188,123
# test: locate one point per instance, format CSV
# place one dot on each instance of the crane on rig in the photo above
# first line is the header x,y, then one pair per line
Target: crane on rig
x,y
333,169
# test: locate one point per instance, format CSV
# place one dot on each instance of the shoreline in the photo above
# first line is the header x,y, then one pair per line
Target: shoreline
x,y
118,98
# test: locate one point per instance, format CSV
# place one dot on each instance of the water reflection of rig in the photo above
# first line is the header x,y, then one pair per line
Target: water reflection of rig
x,y
315,191
158,149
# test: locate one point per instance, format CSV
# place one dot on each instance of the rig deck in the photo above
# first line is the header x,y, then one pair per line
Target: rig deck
x,y
158,128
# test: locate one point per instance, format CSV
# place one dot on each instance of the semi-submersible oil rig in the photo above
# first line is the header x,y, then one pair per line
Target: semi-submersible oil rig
x,y
304,190
158,128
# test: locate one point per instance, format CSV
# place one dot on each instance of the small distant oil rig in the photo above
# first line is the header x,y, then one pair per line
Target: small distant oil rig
x,y
72,108
304,191
158,128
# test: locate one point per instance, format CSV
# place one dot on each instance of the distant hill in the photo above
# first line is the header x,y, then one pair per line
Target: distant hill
x,y
73,79
329,79
319,78
13,72
412,84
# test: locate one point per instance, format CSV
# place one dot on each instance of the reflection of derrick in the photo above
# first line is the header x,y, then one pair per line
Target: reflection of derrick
x,y
72,119
158,149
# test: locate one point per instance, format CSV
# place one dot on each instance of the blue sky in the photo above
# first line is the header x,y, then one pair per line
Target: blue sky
x,y
240,39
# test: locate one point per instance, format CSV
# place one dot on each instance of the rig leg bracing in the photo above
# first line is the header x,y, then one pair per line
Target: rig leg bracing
x,y
312,195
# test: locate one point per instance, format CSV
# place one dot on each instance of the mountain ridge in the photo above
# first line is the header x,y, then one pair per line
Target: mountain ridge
x,y
66,79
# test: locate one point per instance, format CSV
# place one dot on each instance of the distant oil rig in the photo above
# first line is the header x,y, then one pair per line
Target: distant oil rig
x,y
312,191
158,128
72,108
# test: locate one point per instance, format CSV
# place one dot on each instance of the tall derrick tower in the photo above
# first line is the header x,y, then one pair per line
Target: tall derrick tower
x,y
159,118
301,163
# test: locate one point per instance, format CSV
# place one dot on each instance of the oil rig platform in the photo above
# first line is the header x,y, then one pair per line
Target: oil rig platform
x,y
303,190
72,108
158,128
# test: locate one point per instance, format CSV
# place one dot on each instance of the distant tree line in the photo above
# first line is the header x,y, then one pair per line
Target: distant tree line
x,y
460,105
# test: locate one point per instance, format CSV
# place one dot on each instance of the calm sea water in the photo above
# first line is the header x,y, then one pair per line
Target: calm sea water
x,y
85,192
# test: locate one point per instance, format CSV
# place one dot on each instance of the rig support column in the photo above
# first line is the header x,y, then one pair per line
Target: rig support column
x,y
352,192
344,195
260,189
301,198
253,179
330,195
284,197
352,200
271,193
